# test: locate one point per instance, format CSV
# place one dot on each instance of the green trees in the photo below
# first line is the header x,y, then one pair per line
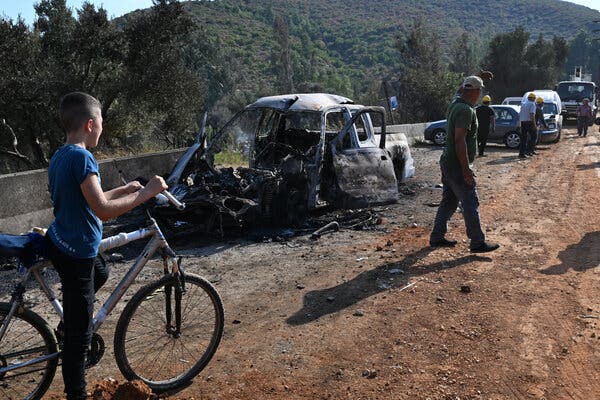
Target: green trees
x,y
425,85
519,65
584,51
137,71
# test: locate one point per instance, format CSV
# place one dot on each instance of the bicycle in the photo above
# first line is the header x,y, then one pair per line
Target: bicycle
x,y
167,333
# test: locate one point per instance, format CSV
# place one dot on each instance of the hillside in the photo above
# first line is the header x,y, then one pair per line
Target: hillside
x,y
349,45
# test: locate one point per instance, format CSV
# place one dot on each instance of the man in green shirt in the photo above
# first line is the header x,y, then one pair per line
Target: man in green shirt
x,y
457,176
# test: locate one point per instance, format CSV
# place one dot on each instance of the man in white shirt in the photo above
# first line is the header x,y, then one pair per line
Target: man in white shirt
x,y
527,117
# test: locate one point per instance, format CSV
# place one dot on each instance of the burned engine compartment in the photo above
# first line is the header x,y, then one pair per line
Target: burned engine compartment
x,y
227,198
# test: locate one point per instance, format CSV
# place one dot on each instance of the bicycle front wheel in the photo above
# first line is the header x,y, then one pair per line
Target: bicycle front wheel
x,y
168,332
27,366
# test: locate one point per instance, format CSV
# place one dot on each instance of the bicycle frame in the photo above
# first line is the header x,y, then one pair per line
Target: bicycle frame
x,y
157,241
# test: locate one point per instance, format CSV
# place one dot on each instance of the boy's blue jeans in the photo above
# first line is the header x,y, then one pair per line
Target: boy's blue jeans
x,y
456,190
77,279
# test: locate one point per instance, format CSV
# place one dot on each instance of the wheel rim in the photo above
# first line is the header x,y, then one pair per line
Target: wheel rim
x,y
25,341
513,140
171,357
439,137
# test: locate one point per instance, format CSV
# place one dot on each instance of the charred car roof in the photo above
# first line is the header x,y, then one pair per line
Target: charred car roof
x,y
300,102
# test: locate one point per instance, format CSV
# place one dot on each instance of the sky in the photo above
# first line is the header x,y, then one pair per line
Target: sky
x,y
595,4
116,8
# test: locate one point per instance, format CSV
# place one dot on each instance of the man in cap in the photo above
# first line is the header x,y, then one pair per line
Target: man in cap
x,y
486,122
457,176
584,116
528,132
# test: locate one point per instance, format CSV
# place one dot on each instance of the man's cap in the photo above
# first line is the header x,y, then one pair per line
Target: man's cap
x,y
586,99
531,96
472,82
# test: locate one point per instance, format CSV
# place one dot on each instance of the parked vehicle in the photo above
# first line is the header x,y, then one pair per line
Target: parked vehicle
x,y
552,116
572,94
549,96
300,151
436,132
506,132
554,122
512,101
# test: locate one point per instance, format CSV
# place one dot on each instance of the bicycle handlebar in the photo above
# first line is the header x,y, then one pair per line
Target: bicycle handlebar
x,y
166,196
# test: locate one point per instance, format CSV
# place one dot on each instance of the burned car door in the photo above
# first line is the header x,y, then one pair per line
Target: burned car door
x,y
364,172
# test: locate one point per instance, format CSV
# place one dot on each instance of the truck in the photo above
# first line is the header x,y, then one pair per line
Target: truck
x,y
573,91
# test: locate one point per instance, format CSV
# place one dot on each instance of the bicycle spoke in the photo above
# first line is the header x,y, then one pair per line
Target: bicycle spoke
x,y
175,355
26,340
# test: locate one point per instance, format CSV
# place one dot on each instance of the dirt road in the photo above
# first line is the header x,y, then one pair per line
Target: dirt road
x,y
377,314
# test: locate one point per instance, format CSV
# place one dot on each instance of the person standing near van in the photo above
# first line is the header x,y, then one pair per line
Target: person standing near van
x,y
458,178
584,116
540,123
527,118
486,121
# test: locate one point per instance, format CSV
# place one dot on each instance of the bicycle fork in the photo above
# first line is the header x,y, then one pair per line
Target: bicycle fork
x,y
173,296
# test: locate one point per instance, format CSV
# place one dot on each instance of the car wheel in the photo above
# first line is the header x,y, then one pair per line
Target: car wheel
x,y
558,137
512,140
439,137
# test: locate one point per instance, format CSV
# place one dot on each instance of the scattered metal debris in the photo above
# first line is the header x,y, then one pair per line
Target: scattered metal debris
x,y
330,227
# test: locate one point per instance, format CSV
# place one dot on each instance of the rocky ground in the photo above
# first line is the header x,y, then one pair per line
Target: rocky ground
x,y
377,314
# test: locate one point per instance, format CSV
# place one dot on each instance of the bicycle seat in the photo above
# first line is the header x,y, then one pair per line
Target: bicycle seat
x,y
27,247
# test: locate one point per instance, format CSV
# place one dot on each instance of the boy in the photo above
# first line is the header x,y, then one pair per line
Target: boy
x,y
74,236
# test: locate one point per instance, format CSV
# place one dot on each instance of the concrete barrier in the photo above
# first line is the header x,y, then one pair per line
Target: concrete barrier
x,y
413,132
26,202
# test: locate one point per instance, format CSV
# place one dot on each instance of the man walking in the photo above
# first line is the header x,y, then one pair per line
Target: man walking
x,y
584,116
527,118
457,176
486,121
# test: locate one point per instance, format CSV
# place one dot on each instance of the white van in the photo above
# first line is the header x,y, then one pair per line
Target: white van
x,y
549,96
552,115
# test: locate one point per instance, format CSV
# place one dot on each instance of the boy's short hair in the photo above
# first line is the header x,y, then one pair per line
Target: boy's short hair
x,y
76,108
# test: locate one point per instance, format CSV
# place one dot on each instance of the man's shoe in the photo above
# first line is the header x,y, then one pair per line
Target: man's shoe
x,y
485,247
522,156
443,242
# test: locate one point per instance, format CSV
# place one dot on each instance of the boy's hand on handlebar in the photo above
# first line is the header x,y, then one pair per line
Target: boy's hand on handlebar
x,y
133,186
155,185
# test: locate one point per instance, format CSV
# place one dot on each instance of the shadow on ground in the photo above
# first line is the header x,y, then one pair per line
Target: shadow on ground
x,y
578,257
318,303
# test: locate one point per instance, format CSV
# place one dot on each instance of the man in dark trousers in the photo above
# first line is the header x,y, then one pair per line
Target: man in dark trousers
x,y
527,118
457,176
486,121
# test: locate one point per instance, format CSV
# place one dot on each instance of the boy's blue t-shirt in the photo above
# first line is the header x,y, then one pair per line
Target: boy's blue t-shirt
x,y
76,230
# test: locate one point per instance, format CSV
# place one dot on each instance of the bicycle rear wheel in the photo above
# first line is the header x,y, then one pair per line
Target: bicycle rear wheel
x,y
27,338
149,344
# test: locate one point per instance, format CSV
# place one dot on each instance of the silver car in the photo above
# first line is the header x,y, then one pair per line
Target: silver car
x,y
506,132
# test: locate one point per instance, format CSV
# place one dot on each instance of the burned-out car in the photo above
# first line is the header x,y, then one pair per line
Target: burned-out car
x,y
283,156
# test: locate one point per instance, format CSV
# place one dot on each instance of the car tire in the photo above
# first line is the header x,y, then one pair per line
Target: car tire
x,y
439,137
512,140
